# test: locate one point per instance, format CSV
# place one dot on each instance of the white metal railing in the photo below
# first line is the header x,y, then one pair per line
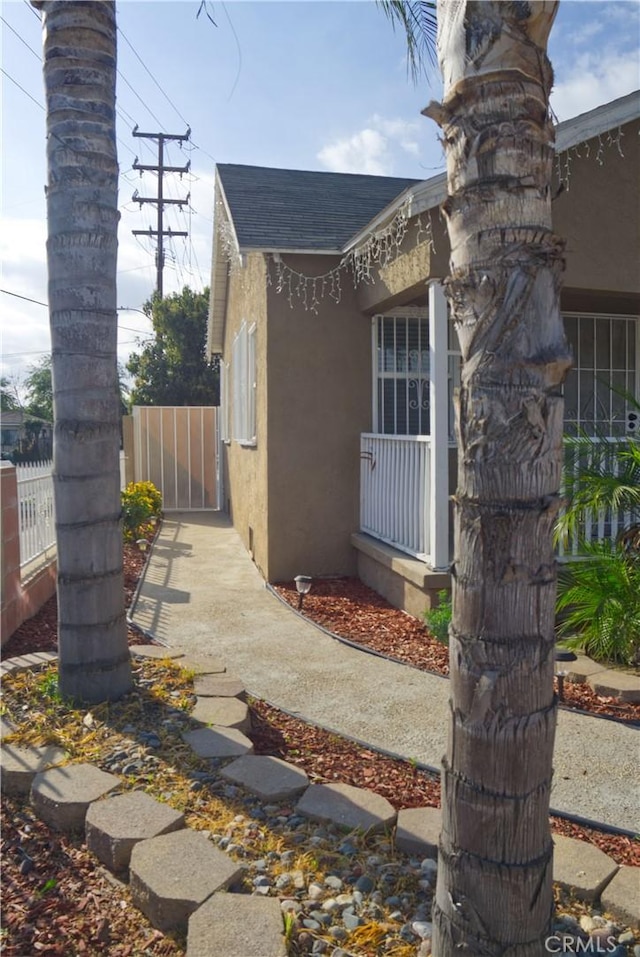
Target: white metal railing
x,y
35,510
606,523
395,489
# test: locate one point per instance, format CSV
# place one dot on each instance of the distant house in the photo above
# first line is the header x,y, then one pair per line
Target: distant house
x,y
25,434
339,361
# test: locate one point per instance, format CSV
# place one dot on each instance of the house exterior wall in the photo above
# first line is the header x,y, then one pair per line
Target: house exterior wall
x,y
245,474
319,402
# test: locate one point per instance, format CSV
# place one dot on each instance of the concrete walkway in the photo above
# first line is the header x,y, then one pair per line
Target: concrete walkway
x,y
201,592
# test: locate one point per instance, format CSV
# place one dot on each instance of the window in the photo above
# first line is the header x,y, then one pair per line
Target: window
x,y
605,365
225,427
402,374
243,375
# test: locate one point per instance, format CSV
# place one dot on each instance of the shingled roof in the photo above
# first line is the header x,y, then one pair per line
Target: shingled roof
x,y
286,209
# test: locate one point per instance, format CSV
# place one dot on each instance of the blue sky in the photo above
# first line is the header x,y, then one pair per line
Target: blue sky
x,y
301,85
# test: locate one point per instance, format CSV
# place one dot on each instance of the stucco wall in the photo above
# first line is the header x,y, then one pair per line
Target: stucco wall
x,y
319,403
245,469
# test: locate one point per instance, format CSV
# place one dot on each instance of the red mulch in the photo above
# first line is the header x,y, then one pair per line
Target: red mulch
x,y
351,610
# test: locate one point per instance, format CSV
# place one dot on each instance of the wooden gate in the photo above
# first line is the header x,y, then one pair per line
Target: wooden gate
x,y
176,449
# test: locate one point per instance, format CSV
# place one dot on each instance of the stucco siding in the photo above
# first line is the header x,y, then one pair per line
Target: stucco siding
x,y
319,403
245,468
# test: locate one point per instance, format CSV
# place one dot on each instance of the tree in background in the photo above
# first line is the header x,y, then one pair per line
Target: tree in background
x,y
494,892
39,390
82,219
173,368
8,399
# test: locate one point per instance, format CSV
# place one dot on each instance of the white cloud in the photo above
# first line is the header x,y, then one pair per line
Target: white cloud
x,y
594,78
371,150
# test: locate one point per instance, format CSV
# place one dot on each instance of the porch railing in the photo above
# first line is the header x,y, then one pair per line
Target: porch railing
x,y
35,510
395,490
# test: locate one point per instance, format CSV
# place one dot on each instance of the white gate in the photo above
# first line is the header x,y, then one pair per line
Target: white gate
x,y
176,449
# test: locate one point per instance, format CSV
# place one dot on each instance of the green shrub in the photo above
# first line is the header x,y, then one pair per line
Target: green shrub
x,y
599,603
141,502
438,619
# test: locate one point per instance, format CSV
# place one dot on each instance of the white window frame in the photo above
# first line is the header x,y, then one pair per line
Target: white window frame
x,y
225,409
243,382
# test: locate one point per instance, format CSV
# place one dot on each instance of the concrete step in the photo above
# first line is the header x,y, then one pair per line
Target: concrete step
x,y
621,896
271,779
114,826
203,664
61,796
354,808
418,831
581,867
237,925
170,876
218,742
156,651
218,686
616,684
225,712
20,766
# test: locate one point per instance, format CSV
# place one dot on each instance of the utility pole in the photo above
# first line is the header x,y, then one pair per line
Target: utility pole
x,y
160,200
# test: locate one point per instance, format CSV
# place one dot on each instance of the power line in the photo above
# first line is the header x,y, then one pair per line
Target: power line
x,y
33,10
21,39
146,106
26,298
139,58
26,93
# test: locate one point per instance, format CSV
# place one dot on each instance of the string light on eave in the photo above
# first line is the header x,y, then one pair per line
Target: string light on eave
x,y
610,140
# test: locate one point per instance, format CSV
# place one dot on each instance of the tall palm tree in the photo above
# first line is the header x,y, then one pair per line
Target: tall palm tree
x,y
494,891
82,214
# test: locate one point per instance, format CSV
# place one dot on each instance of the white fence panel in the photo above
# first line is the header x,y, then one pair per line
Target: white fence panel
x,y
395,489
35,507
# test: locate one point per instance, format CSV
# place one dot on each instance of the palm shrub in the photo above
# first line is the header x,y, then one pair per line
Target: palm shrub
x,y
599,592
141,502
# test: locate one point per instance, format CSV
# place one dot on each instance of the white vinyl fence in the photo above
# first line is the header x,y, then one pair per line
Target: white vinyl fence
x,y
35,510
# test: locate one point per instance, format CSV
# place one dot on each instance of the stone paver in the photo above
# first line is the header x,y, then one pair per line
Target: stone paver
x,y
345,805
6,727
218,686
20,766
61,796
33,662
271,779
203,664
218,742
237,925
616,684
155,651
418,831
579,670
581,867
170,876
621,897
115,825
226,712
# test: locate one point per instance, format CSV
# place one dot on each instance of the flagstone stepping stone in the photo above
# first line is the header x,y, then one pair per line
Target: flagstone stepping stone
x,y
271,779
61,796
582,668
616,684
6,727
170,876
581,867
155,651
115,825
218,742
32,662
237,925
355,808
621,897
226,712
203,664
20,766
218,686
418,831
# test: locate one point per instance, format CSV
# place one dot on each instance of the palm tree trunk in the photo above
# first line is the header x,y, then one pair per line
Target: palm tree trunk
x,y
494,892
82,213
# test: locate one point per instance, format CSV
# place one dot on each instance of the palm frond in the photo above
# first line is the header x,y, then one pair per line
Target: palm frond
x,y
418,19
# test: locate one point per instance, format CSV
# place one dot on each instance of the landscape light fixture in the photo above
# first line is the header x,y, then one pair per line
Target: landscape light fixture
x,y
303,587
142,544
563,654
